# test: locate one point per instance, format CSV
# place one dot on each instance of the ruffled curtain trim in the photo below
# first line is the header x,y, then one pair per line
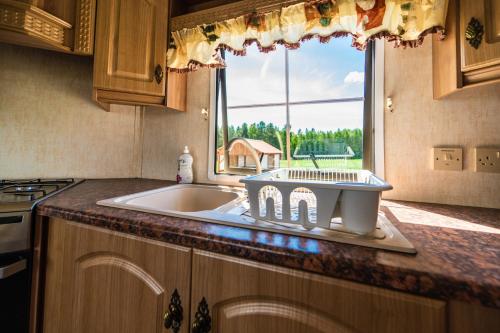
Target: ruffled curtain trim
x,y
405,23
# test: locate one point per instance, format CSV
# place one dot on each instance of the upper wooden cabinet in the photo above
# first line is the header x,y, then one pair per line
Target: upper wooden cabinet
x,y
130,55
60,25
131,46
483,63
456,62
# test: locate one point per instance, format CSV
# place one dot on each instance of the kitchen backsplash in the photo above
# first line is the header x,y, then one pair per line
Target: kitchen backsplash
x,y
166,133
49,126
467,119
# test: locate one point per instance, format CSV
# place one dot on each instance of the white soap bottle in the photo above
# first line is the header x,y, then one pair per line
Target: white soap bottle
x,y
185,167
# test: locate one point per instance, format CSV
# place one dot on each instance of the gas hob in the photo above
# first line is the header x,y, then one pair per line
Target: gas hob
x,y
22,194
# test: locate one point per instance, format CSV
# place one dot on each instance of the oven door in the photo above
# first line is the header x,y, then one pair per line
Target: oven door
x,y
15,292
15,232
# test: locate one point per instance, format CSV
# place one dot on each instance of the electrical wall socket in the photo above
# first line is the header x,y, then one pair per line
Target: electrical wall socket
x,y
447,158
488,160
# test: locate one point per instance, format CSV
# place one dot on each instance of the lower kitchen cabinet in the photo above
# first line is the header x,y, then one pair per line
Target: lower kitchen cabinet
x,y
100,281
105,282
249,297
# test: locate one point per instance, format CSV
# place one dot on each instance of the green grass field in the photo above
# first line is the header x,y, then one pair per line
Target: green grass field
x,y
338,164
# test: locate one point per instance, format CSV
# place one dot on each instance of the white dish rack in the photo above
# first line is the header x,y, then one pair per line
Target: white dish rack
x,y
313,198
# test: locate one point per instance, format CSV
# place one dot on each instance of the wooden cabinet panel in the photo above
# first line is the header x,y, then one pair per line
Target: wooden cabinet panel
x,y
455,63
103,281
492,20
470,318
176,91
446,73
131,41
176,97
84,27
488,52
59,25
250,297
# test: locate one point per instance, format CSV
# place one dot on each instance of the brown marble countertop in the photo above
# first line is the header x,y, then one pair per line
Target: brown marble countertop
x,y
458,247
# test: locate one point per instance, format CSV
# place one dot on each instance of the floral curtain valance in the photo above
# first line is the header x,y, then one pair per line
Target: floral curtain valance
x,y
405,22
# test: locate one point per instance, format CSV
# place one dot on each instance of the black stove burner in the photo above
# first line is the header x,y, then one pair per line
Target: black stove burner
x,y
30,189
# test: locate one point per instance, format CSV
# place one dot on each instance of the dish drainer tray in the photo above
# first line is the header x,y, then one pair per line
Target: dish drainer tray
x,y
312,197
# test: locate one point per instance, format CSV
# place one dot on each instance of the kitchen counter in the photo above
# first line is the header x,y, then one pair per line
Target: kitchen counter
x,y
458,247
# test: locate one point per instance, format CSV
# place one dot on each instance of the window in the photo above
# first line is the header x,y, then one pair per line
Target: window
x,y
309,107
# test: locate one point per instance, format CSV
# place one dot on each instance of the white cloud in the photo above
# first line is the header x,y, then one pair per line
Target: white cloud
x,y
355,77
259,78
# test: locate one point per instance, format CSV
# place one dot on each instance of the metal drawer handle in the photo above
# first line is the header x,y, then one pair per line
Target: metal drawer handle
x,y
173,317
202,321
474,33
12,269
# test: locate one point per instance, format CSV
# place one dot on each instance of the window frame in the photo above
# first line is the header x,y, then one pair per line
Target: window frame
x,y
372,126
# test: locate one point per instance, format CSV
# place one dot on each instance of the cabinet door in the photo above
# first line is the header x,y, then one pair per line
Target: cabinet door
x,y
131,42
487,12
249,297
105,282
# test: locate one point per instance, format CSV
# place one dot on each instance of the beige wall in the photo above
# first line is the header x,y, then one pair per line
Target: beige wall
x,y
46,133
167,132
49,126
469,118
418,123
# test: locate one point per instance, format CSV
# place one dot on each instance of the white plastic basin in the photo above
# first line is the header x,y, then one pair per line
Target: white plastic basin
x,y
185,198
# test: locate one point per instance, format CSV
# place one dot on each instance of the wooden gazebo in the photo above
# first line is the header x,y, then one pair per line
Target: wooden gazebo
x,y
244,152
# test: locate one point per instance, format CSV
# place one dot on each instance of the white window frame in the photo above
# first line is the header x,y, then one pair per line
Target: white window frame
x,y
378,123
378,109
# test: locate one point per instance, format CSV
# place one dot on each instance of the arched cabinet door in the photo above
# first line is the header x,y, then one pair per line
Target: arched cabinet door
x,y
248,297
101,281
270,314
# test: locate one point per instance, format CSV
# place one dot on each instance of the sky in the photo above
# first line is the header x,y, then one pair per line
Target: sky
x,y
317,71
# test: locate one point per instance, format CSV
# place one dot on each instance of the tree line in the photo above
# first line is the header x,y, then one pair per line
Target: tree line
x,y
301,142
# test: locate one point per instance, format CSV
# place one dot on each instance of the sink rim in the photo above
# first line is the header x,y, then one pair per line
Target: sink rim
x,y
121,201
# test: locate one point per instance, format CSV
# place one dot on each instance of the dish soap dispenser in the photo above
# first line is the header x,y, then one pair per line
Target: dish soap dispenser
x,y
185,167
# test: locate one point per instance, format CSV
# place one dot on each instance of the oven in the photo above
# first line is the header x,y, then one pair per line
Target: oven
x,y
15,271
15,283
18,199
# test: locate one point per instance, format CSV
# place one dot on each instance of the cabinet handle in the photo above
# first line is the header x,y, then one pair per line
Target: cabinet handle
x,y
173,317
12,269
202,322
158,74
474,32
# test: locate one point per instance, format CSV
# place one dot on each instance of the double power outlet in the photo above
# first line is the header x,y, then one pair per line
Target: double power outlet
x,y
450,158
488,160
